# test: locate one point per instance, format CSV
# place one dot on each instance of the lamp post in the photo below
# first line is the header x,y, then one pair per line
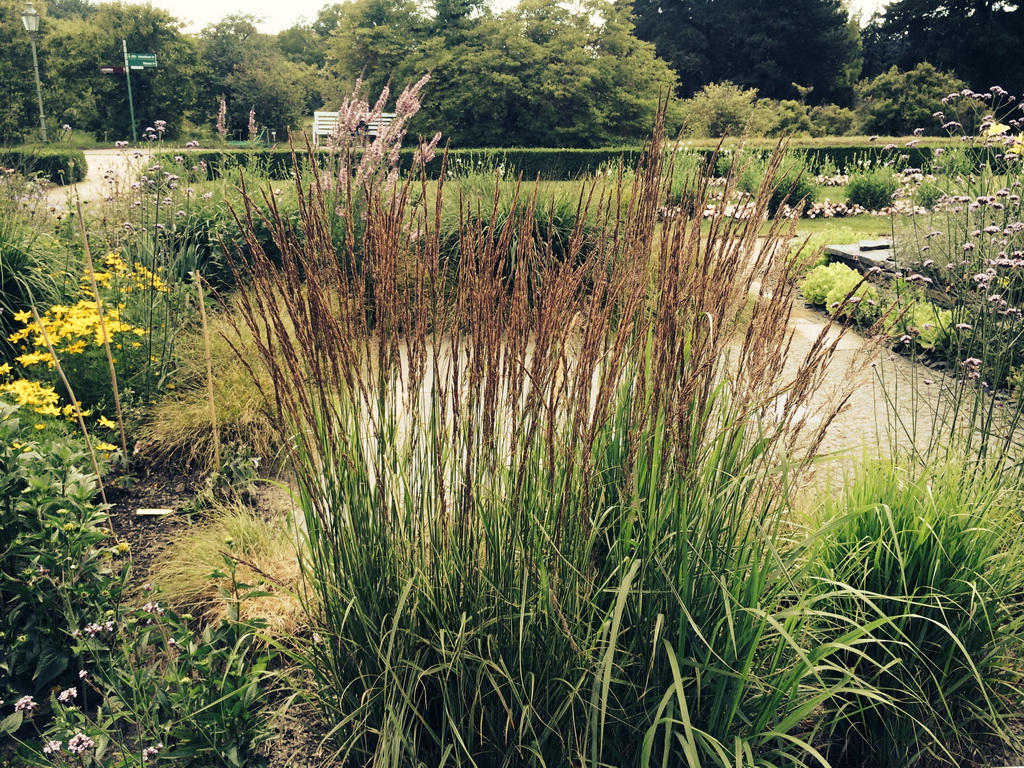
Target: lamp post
x,y
30,18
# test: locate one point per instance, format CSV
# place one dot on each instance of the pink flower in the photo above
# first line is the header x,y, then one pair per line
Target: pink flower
x,y
80,743
26,704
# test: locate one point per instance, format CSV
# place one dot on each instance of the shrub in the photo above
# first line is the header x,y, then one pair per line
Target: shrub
x,y
793,184
61,568
59,165
831,120
842,291
723,109
872,190
895,103
928,194
687,172
790,118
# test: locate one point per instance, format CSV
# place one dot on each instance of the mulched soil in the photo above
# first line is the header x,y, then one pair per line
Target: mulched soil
x,y
150,488
300,732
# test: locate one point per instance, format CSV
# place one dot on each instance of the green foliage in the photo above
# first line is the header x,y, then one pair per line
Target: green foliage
x,y
60,568
896,103
831,120
723,109
688,169
534,75
928,193
791,119
872,190
251,73
973,38
195,698
923,322
793,184
928,559
57,164
135,321
755,44
30,262
90,101
842,291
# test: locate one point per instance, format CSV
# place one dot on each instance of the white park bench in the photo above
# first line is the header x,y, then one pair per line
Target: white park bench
x,y
324,124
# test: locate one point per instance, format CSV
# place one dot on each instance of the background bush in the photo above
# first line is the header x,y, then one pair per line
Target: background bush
x,y
872,190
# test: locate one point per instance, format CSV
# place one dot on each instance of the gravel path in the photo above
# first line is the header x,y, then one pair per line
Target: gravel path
x,y
109,171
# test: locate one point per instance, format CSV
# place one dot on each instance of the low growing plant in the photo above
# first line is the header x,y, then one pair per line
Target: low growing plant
x,y
842,292
61,566
927,557
151,687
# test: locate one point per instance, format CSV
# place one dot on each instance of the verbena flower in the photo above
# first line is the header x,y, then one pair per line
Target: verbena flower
x,y
26,704
80,743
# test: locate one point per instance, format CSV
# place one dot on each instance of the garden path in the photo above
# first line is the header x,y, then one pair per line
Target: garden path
x,y
109,171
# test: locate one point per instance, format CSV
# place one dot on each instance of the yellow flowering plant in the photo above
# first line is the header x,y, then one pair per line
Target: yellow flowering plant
x,y
77,333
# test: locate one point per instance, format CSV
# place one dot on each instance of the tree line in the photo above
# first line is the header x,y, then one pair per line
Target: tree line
x,y
585,73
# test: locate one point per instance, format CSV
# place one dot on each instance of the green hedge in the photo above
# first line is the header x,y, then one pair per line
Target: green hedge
x,y
59,165
548,164
562,164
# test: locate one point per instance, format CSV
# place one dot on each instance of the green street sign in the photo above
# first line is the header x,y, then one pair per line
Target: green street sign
x,y
141,60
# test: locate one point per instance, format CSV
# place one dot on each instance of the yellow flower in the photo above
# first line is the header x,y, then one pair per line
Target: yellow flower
x,y
31,393
22,317
40,426
123,548
103,421
31,358
5,368
105,447
1018,146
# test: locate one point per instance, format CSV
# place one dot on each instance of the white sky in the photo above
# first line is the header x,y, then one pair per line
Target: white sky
x,y
280,15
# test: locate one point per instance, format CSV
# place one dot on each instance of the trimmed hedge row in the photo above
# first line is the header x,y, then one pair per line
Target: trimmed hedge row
x,y
548,164
59,165
556,164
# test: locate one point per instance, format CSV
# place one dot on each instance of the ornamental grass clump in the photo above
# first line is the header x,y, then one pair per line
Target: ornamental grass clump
x,y
543,509
928,558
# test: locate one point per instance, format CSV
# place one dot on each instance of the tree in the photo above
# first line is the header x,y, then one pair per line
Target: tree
x,y
372,39
979,40
895,103
77,93
248,68
758,44
17,85
544,75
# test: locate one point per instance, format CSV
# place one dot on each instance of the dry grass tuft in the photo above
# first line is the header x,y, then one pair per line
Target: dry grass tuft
x,y
179,431
266,554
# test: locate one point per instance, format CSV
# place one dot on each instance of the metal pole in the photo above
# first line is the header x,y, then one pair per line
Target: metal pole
x,y
39,87
131,103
